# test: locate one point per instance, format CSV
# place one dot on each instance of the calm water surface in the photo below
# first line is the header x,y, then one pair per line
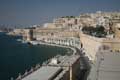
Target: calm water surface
x,y
16,57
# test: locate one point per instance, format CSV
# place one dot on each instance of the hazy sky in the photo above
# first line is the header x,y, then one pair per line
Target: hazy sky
x,y
29,12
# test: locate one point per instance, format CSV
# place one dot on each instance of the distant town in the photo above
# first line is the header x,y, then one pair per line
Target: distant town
x,y
94,39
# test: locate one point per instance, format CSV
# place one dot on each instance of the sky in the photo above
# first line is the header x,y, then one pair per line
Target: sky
x,y
30,12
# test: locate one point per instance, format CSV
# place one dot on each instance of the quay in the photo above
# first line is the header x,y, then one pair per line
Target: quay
x,y
51,44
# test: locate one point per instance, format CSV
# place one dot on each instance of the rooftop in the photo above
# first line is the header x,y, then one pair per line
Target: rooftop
x,y
44,73
66,61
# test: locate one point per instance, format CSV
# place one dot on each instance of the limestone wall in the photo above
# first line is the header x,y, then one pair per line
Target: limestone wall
x,y
92,44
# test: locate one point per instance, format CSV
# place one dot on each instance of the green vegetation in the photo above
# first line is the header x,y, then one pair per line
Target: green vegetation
x,y
68,17
97,32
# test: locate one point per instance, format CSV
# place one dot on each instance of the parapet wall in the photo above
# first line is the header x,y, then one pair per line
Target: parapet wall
x,y
90,45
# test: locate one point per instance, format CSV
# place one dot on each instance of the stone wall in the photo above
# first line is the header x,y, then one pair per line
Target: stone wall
x,y
92,44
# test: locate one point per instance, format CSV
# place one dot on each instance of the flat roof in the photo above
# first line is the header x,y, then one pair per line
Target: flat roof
x,y
68,60
44,73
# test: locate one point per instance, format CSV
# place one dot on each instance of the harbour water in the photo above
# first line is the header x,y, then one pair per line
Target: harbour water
x,y
16,57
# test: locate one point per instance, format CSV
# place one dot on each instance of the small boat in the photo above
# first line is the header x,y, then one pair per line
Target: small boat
x,y
34,43
19,39
23,41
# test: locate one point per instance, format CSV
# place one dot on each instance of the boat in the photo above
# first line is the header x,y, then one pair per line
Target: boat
x,y
19,39
34,43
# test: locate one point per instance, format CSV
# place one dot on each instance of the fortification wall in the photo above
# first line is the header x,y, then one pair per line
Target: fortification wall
x,y
92,44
